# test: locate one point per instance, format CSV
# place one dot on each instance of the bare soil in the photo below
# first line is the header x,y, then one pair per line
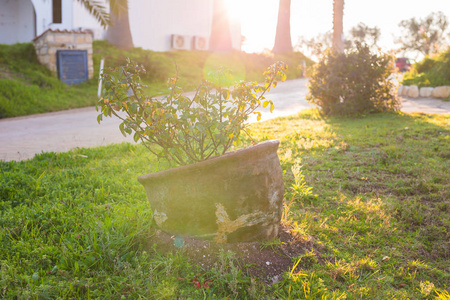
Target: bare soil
x,y
267,262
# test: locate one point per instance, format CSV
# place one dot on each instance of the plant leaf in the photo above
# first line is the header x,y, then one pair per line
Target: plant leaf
x,y
136,137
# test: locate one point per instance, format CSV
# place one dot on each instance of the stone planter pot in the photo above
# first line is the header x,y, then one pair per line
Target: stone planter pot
x,y
237,197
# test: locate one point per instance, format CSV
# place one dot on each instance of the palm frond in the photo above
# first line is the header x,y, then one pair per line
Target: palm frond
x,y
98,10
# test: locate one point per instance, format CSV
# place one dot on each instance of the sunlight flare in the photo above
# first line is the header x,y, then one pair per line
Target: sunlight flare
x,y
258,20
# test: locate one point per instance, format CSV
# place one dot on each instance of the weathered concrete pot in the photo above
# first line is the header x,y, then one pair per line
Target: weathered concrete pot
x,y
237,197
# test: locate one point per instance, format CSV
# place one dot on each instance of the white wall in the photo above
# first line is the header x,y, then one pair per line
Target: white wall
x,y
153,22
67,15
82,19
44,15
16,21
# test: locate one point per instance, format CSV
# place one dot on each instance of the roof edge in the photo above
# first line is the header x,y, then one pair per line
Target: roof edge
x,y
61,31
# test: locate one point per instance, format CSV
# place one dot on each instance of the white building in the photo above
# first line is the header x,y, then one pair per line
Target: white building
x,y
152,22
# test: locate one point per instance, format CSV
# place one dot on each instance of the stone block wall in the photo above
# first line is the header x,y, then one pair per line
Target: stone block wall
x,y
51,41
413,91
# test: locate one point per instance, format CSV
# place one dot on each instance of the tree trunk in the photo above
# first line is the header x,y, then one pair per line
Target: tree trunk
x,y
283,43
220,39
119,33
338,15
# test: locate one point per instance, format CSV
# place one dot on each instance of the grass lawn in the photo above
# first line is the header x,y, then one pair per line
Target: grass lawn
x,y
372,197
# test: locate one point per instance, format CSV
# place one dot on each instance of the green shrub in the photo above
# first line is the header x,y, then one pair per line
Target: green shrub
x,y
186,129
425,65
355,82
412,77
431,71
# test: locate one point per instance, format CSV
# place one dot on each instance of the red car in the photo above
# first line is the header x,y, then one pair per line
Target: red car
x,y
403,64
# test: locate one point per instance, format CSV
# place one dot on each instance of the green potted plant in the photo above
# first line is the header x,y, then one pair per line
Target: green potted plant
x,y
215,193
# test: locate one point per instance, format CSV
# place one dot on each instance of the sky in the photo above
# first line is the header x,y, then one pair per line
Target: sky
x,y
312,17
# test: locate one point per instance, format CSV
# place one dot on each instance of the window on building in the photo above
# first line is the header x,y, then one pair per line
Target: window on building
x,y
57,11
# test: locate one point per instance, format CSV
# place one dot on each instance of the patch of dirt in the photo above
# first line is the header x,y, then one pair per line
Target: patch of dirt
x,y
267,262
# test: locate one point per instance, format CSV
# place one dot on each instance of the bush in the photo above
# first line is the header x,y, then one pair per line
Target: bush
x,y
431,71
355,82
186,129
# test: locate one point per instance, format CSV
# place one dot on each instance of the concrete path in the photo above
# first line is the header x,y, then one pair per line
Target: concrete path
x,y
21,138
425,105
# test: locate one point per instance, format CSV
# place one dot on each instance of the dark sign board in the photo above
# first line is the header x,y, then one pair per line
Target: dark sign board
x,y
72,66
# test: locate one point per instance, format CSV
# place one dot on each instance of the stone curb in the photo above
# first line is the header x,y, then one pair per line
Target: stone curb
x,y
413,91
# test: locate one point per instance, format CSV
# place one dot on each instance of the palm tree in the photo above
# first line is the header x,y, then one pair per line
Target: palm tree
x,y
283,43
117,21
119,33
338,15
220,38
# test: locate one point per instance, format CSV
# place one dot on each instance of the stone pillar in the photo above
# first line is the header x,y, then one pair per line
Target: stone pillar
x,y
50,41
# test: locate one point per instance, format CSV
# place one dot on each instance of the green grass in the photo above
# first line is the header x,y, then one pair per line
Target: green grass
x,y
26,87
372,196
382,212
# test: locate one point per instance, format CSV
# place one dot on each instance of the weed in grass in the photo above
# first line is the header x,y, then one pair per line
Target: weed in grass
x,y
340,270
299,195
166,290
228,275
299,285
299,189
426,288
308,259
273,244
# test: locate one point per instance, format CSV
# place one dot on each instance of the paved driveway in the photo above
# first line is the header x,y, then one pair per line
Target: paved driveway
x,y
21,138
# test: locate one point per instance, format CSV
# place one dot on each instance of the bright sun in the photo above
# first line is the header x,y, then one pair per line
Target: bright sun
x,y
234,9
258,20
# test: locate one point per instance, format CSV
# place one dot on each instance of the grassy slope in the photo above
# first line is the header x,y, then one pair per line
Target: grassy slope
x,y
75,224
26,87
